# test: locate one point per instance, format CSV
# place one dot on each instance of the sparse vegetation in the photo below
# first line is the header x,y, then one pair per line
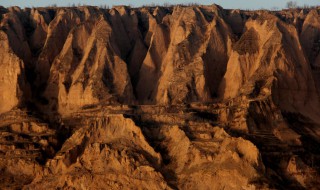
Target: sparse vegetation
x,y
193,4
292,4
104,6
306,6
289,5
157,5
167,5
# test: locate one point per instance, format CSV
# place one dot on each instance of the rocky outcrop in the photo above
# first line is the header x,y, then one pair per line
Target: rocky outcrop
x,y
25,144
111,149
268,59
310,37
78,57
184,61
310,40
12,81
87,71
224,162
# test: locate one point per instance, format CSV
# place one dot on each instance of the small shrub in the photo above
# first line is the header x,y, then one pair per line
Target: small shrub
x,y
292,4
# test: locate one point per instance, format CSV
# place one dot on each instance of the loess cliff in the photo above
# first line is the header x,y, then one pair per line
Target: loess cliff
x,y
181,97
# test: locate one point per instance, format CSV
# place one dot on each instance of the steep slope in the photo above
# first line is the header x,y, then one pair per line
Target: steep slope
x,y
87,70
12,81
223,162
111,149
310,40
310,37
268,59
187,57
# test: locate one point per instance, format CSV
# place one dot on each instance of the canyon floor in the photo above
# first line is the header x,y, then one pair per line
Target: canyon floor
x,y
181,97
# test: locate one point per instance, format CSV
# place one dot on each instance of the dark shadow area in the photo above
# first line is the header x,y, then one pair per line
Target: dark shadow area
x,y
168,174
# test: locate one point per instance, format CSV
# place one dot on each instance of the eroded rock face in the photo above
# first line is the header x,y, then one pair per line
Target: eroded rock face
x,y
224,162
115,152
310,37
111,149
25,144
184,61
79,57
12,81
87,71
268,57
182,97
